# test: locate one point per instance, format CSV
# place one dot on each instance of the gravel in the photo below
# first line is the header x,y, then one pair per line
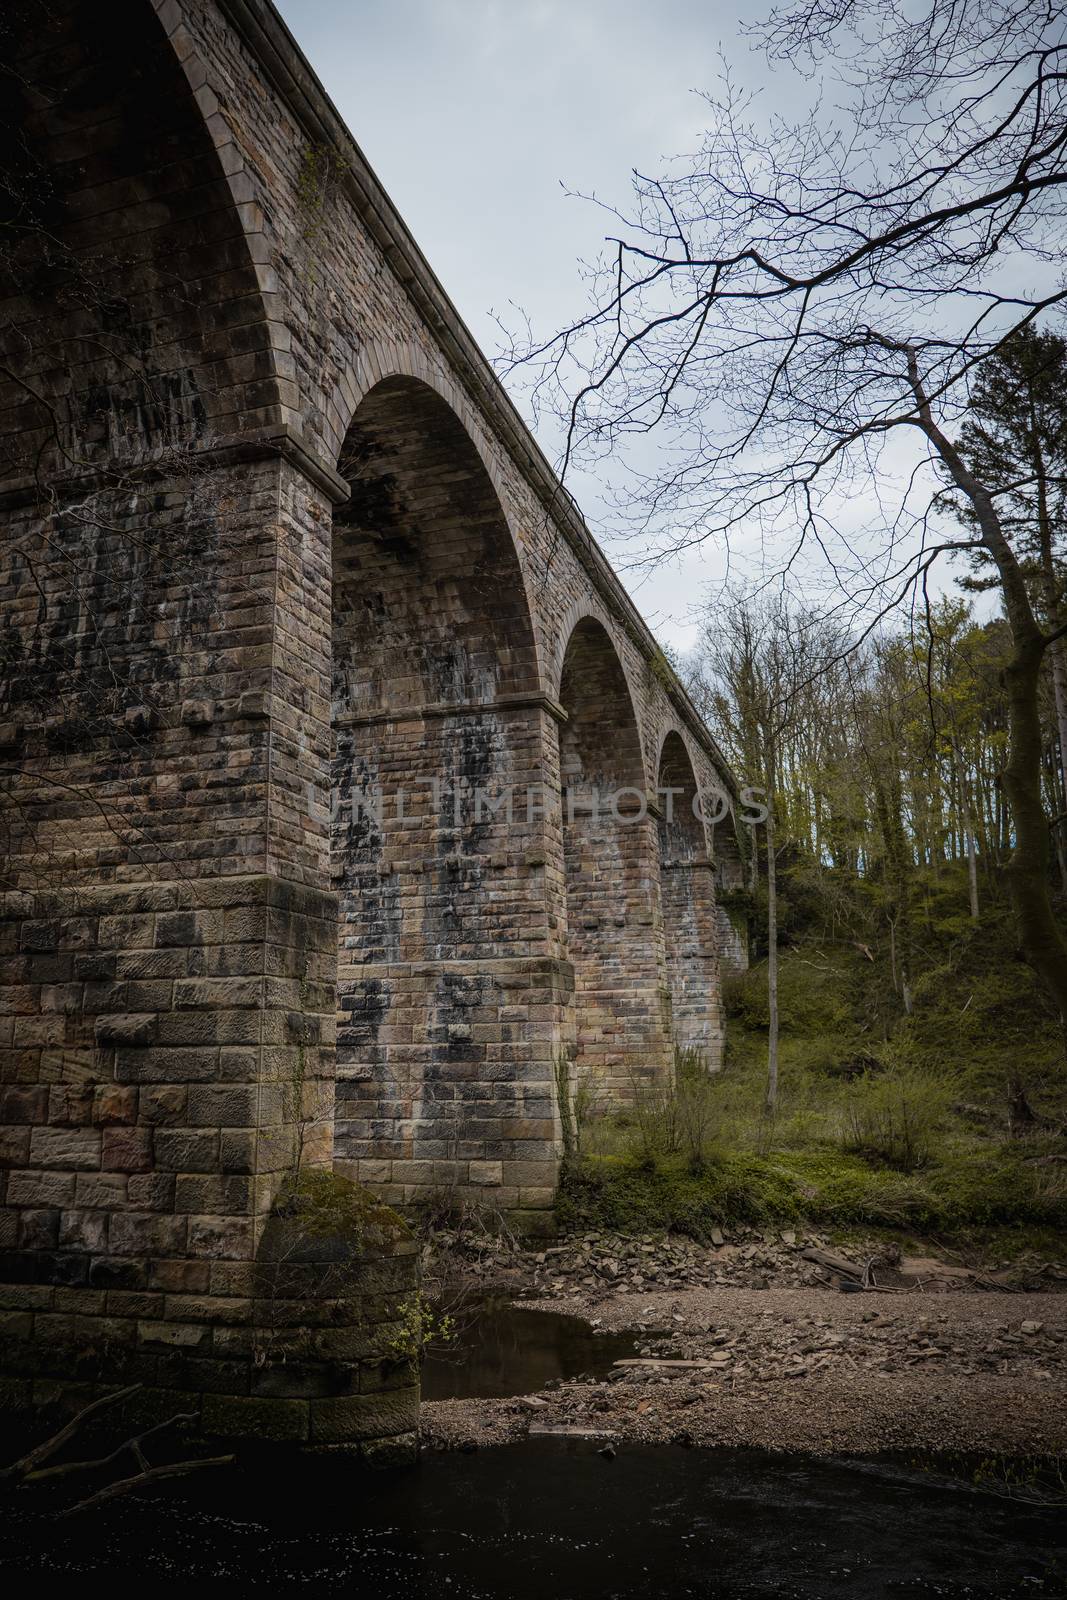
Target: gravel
x,y
937,1365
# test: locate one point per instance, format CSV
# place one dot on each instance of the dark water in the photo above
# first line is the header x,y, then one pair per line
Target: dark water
x,y
503,1349
553,1520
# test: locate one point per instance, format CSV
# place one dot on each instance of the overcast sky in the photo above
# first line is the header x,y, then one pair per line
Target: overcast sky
x,y
473,113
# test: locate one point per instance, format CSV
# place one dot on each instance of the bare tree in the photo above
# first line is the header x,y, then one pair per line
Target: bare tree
x,y
785,308
753,679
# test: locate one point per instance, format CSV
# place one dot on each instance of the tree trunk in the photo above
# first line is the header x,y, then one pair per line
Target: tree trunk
x,y
888,810
772,970
1061,855
1027,871
1059,691
967,824
1041,941
1057,660
972,872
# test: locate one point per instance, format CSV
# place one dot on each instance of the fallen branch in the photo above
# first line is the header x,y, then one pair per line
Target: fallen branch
x,y
30,1468
45,1474
20,1470
661,1361
176,1469
832,1263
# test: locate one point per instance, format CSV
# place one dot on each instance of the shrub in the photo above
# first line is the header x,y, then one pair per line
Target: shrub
x,y
896,1116
686,1117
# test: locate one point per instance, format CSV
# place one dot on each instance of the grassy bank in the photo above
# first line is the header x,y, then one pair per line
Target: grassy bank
x,y
885,1120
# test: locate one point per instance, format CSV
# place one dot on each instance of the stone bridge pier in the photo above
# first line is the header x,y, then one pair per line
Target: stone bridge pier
x,y
350,811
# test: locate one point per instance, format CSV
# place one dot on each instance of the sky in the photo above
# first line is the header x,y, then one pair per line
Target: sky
x,y
479,115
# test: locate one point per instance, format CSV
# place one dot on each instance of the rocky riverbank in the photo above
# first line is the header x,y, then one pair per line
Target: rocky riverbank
x,y
781,1341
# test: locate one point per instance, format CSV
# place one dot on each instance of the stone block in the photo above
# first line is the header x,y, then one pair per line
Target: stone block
x,y
179,1277
173,1335
24,1105
198,713
255,1417
126,1149
101,1189
206,1193
119,1272
74,1149
150,1191
14,1147
37,1230
162,1104
83,1230
182,1150
364,1416
237,1151
138,1233
218,1310
225,1105
113,1104
40,1189
126,1031
221,1238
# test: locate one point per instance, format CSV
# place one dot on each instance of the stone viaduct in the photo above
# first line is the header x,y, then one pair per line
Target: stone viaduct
x,y
291,604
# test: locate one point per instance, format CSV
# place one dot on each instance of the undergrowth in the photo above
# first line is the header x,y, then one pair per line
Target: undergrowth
x,y
885,1119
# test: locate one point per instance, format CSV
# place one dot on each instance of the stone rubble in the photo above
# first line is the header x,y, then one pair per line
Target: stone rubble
x,y
806,1369
600,1262
746,1342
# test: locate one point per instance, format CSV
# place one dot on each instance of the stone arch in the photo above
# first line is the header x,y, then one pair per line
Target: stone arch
x,y
379,361
440,731
690,929
383,362
135,340
277,393
133,281
611,867
724,846
587,609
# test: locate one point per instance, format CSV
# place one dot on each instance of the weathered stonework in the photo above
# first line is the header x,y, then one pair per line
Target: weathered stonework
x,y
275,541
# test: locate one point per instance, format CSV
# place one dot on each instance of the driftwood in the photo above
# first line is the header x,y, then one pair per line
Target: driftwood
x,y
834,1263
176,1469
134,1444
30,1468
661,1361
21,1470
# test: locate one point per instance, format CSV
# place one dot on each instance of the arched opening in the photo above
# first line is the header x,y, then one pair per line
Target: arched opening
x,y
439,733
689,911
731,919
614,926
132,329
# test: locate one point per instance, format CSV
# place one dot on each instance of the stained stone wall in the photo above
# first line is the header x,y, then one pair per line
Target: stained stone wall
x,y
691,930
274,540
615,936
169,1066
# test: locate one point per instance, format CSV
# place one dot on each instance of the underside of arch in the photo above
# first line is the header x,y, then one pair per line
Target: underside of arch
x,y
447,1020
614,923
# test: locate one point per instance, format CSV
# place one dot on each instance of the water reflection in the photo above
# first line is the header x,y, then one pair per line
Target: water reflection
x,y
502,1349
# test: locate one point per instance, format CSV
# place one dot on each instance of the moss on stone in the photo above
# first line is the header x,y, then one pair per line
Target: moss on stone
x,y
320,1207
